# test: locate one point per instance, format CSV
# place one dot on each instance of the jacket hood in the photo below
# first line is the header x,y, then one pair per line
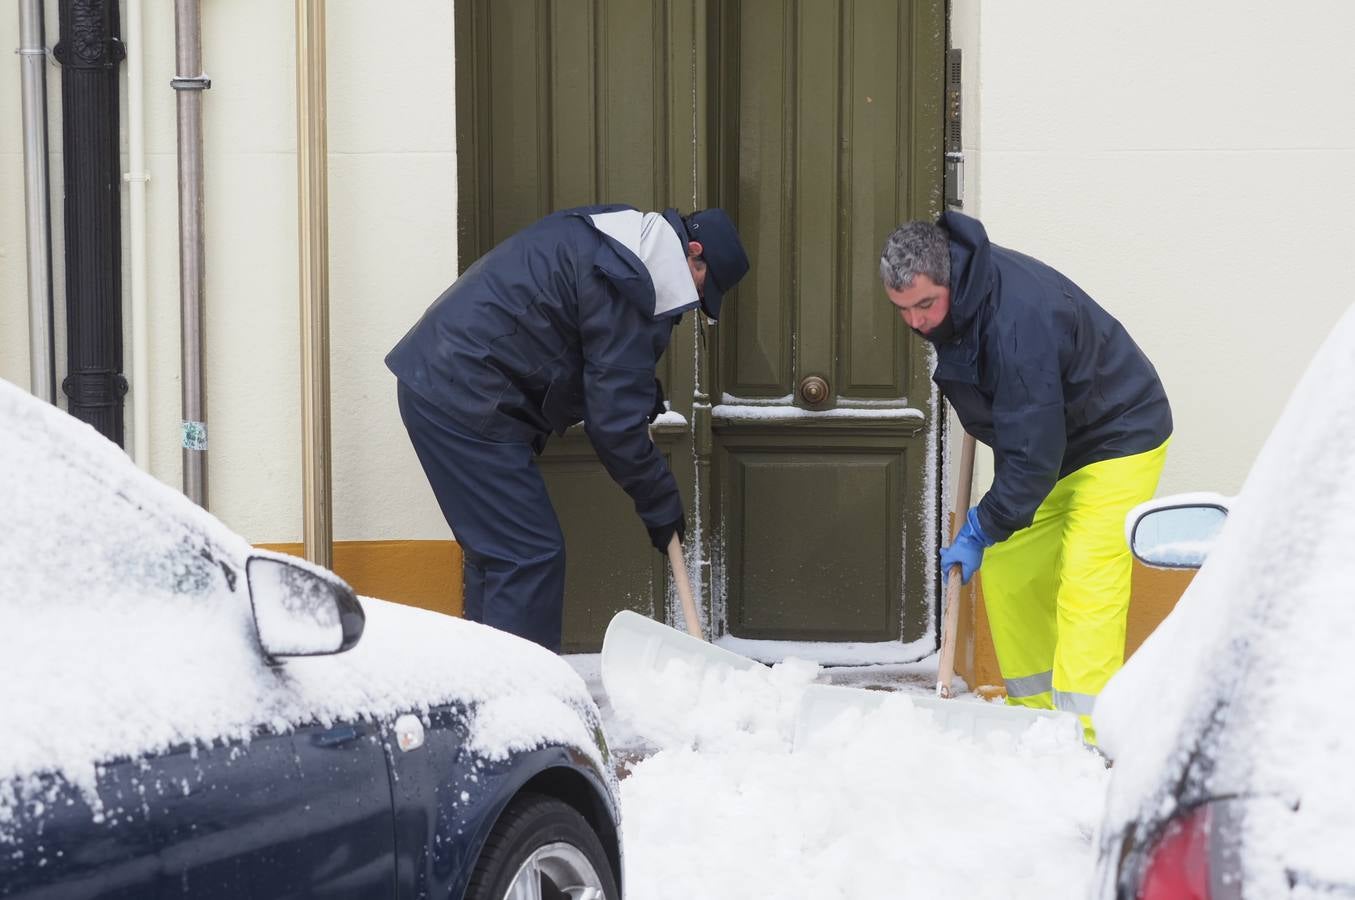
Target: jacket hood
x,y
971,268
644,258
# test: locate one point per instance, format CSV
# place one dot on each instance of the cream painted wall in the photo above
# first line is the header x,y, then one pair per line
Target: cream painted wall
x,y
1192,166
392,239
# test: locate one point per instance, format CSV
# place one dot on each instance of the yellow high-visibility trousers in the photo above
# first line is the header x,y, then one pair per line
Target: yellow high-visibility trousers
x,y
1057,593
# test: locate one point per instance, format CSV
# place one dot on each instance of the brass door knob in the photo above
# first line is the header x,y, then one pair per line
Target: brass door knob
x,y
813,390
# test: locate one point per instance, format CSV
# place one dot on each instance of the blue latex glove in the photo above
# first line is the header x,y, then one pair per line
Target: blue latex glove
x,y
966,550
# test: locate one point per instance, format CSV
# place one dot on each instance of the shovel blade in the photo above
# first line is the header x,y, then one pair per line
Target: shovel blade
x,y
636,649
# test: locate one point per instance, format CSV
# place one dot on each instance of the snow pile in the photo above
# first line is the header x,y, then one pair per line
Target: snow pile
x,y
125,630
714,708
878,805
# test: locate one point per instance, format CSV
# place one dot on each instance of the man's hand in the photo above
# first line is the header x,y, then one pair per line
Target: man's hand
x,y
966,550
661,535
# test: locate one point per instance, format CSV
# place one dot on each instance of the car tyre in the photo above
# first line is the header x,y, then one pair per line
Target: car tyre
x,y
540,839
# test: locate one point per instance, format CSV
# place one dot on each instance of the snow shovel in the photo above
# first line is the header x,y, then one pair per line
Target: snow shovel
x,y
987,717
636,646
964,489
823,703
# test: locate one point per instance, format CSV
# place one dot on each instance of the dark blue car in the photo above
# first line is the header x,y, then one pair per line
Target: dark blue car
x,y
182,715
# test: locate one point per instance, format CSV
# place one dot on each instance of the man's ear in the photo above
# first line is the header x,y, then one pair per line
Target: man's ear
x,y
694,249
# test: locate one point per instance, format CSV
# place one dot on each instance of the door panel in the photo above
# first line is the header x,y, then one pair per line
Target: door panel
x,y
828,575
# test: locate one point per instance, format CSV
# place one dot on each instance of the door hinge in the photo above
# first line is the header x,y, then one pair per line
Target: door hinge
x,y
953,177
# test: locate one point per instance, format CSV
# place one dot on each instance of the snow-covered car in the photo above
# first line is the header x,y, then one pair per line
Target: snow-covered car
x,y
1231,727
182,715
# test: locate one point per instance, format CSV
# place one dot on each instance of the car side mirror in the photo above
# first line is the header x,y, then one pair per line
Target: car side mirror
x,y
1173,534
301,609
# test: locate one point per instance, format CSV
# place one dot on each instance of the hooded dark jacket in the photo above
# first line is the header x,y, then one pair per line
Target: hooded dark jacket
x,y
1039,372
555,325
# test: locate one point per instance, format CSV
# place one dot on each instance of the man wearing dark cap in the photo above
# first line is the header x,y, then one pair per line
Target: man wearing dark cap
x,y
562,322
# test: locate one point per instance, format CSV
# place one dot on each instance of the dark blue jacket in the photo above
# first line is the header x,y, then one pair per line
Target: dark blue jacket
x,y
555,325
1041,373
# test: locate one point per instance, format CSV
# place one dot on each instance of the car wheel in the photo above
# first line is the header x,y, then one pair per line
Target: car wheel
x,y
542,849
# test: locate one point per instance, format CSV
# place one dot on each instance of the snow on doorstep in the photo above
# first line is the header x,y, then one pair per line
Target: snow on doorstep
x,y
125,619
669,418
882,805
730,412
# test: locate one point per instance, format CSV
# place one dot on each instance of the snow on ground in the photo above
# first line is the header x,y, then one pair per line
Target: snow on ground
x,y
717,804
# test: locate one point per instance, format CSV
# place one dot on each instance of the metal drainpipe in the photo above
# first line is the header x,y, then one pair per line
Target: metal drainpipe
x,y
136,179
313,207
89,50
37,201
188,85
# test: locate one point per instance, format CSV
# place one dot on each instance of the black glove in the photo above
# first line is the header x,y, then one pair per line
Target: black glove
x,y
660,536
659,409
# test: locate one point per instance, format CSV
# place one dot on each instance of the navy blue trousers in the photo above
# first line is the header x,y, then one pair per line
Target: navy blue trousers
x,y
495,500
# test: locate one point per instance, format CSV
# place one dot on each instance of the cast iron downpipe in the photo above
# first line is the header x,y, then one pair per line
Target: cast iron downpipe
x,y
89,50
37,201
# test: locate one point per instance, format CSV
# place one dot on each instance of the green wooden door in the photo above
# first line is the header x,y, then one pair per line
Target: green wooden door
x,y
817,125
829,136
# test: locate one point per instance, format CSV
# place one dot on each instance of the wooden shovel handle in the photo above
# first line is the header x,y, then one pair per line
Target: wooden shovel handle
x,y
684,587
945,670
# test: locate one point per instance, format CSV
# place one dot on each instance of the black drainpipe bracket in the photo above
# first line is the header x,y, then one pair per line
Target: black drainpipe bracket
x,y
109,55
98,388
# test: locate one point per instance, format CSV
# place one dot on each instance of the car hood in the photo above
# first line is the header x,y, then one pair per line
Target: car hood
x,y
1240,690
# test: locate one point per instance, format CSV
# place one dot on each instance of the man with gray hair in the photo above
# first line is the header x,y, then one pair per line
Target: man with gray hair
x,y
1079,424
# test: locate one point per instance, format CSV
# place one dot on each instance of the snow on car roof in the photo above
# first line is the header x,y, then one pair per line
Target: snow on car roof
x,y
125,629
1276,595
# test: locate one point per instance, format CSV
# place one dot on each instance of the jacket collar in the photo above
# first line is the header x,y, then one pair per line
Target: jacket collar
x,y
645,260
971,268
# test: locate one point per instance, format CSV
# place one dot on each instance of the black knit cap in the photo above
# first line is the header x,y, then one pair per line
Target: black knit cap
x,y
726,262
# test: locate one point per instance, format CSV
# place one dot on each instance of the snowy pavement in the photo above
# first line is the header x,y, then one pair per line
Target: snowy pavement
x,y
716,804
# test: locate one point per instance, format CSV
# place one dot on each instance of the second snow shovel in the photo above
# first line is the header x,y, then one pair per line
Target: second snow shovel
x,y
637,650
964,489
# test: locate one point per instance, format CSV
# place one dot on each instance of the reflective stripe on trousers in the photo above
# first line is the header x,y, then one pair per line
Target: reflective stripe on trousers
x,y
1033,687
1057,593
